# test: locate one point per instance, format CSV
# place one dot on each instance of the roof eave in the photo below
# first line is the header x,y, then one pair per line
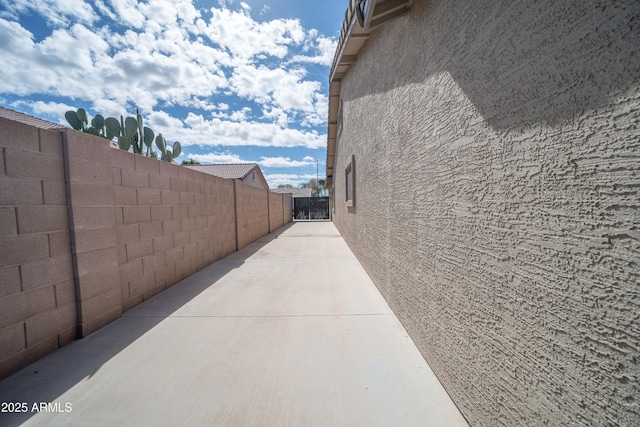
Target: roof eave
x,y
361,17
351,40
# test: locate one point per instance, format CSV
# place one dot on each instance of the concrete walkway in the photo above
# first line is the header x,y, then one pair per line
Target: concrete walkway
x,y
289,331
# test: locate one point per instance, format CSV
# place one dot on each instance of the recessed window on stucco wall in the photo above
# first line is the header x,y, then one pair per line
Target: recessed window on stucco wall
x,y
350,182
340,117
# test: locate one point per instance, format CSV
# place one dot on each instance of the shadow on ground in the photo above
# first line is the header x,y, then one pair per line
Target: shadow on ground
x,y
88,355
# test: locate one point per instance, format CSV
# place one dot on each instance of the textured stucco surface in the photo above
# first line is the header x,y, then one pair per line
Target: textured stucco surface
x,y
497,179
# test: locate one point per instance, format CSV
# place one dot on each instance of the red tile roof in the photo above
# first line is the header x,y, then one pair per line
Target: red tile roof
x,y
28,120
231,171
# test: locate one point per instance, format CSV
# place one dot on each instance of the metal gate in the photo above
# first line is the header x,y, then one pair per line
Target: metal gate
x,y
310,208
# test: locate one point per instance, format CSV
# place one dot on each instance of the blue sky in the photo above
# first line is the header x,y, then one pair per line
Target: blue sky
x,y
233,81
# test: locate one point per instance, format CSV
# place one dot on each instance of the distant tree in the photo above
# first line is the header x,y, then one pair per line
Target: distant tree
x,y
285,186
190,162
317,187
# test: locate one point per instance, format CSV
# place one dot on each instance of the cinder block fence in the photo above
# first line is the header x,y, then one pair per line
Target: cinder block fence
x,y
88,231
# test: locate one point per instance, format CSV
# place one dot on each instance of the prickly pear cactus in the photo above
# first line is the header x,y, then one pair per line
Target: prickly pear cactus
x,y
77,119
130,133
166,154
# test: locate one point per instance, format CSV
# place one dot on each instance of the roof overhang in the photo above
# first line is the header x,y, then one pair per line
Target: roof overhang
x,y
372,13
360,18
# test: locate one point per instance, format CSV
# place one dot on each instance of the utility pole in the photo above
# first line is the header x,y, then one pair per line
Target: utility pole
x,y
317,187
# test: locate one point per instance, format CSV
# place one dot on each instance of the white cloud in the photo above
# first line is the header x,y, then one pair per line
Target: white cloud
x,y
282,179
186,11
127,12
41,108
159,13
14,38
59,13
215,132
165,54
162,120
110,108
323,49
240,115
285,162
218,158
277,115
244,38
282,89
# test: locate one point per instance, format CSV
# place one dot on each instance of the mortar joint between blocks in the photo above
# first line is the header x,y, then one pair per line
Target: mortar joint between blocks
x,y
20,278
24,332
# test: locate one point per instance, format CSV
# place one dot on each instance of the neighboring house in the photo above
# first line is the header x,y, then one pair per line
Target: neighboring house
x,y
295,192
247,173
484,163
29,120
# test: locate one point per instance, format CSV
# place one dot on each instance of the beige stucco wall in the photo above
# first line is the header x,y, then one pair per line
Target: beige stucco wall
x,y
255,179
498,177
88,231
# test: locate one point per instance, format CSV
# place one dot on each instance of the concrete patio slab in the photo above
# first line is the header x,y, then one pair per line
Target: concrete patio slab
x,y
288,331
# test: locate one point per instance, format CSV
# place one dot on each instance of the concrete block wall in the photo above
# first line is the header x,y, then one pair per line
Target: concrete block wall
x,y
88,231
252,214
170,222
497,180
37,293
287,208
276,211
93,231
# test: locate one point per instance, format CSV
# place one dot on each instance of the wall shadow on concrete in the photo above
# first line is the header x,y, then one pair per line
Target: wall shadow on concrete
x,y
510,77
63,369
